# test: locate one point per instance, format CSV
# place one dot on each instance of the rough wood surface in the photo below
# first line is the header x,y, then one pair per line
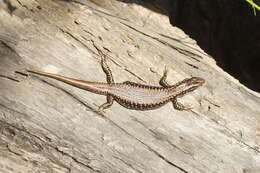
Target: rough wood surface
x,y
48,126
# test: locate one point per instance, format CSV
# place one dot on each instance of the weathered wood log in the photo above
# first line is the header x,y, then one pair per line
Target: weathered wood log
x,y
48,126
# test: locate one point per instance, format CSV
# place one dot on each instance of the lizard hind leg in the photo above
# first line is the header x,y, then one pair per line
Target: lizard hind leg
x,y
106,69
106,105
179,106
162,81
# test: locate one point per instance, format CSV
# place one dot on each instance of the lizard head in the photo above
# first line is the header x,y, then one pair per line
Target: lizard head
x,y
195,81
188,85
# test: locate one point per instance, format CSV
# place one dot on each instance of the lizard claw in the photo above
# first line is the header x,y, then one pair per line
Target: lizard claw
x,y
186,108
100,111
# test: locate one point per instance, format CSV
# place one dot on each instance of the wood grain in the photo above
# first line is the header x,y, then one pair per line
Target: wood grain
x,y
48,126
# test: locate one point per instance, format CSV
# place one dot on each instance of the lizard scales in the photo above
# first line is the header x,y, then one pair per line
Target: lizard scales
x,y
133,95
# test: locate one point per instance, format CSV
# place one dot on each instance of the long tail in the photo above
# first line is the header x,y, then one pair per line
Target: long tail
x,y
95,87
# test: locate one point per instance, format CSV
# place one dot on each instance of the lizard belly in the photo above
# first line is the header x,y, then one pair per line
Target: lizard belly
x,y
140,98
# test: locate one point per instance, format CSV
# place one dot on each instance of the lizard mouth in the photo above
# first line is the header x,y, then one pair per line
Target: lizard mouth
x,y
200,80
197,81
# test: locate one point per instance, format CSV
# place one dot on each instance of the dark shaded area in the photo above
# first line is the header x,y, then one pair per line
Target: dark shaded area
x,y
10,7
227,30
160,6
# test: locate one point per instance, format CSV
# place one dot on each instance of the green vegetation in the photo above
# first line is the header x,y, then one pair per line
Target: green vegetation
x,y
254,5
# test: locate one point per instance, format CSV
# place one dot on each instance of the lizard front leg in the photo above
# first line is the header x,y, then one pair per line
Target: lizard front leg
x,y
162,81
177,105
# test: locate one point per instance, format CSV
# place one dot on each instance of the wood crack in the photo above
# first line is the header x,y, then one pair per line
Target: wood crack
x,y
25,6
135,75
71,95
42,142
76,39
177,40
166,160
148,147
9,5
87,4
167,140
76,160
182,51
128,164
193,66
9,47
231,133
132,73
9,78
13,110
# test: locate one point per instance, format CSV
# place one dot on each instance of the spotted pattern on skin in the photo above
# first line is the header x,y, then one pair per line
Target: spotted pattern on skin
x,y
137,106
133,84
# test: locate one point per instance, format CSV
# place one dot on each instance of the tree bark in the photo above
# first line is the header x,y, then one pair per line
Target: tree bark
x,y
49,126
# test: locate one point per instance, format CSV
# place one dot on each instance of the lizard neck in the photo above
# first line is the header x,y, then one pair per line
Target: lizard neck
x,y
185,86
